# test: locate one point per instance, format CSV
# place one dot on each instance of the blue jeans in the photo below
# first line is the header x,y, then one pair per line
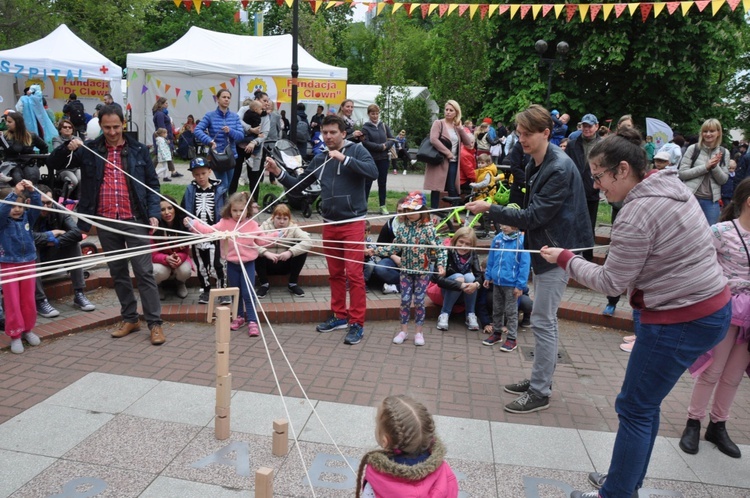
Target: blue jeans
x,y
225,177
710,209
450,297
661,354
245,307
386,270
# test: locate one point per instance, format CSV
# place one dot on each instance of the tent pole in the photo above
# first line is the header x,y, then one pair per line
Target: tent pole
x,y
295,69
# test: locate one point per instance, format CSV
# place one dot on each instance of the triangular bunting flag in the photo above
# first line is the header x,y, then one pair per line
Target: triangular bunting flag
x,y
433,6
188,6
583,9
213,90
244,4
646,10
558,9
166,88
379,8
483,8
442,9
715,6
570,10
733,4
314,6
200,96
452,7
473,10
462,8
535,10
701,4
685,7
370,6
525,10
144,89
407,8
330,5
746,5
513,9
197,5
595,8
207,3
632,7
620,8
187,95
177,91
223,85
607,10
135,75
279,2
545,9
158,83
492,10
396,6
233,81
503,9
289,3
672,6
148,78
658,7
174,101
425,10
177,3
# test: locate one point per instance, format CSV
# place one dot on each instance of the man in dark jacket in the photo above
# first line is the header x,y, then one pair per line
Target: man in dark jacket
x,y
555,215
343,171
107,191
57,238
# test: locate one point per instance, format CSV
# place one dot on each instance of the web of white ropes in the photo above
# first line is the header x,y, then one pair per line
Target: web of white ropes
x,y
182,238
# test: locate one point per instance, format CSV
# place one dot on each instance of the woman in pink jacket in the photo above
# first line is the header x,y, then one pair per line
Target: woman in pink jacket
x,y
169,261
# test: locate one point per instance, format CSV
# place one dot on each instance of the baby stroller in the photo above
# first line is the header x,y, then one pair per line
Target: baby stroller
x,y
287,156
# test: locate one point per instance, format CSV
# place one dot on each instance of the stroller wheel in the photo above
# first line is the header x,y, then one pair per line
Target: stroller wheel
x,y
318,208
306,210
268,199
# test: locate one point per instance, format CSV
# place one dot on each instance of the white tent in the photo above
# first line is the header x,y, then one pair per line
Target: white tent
x,y
364,95
191,70
63,63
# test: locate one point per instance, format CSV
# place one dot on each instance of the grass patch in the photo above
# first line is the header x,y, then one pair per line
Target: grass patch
x,y
604,215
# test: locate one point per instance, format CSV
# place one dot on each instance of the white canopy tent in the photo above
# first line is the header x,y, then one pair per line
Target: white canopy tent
x,y
63,63
191,70
364,95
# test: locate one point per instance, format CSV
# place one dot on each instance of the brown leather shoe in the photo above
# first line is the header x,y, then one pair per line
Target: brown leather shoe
x,y
126,328
157,336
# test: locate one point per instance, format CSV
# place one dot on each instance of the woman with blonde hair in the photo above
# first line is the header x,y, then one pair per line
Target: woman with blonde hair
x,y
447,136
345,112
704,168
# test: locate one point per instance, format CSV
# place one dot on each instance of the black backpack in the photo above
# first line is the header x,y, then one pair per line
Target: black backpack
x,y
76,113
303,131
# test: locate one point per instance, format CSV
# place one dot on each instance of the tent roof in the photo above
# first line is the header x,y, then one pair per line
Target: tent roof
x,y
62,50
204,51
365,95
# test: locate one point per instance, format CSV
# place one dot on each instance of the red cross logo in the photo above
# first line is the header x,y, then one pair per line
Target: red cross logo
x,y
103,69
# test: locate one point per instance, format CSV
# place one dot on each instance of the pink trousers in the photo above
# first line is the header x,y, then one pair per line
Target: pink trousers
x,y
722,378
18,298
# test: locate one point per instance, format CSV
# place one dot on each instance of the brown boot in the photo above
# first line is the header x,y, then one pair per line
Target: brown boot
x,y
126,328
157,336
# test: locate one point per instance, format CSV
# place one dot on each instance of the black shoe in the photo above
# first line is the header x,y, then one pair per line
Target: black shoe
x,y
166,179
597,480
176,174
297,290
690,437
262,291
203,298
717,433
517,388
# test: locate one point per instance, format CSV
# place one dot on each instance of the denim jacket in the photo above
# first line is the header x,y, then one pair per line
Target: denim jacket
x,y
16,240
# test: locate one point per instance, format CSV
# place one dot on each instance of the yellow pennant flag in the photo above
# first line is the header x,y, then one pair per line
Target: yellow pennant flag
x,y
213,90
289,3
451,8
330,5
473,10
158,84
174,101
513,9
685,6
746,5
535,10
380,7
432,8
558,8
632,7
715,6
197,5
494,7
177,3
607,9
583,9
396,6
658,7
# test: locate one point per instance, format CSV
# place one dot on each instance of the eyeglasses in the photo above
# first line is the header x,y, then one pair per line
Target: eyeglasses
x,y
598,177
67,126
46,203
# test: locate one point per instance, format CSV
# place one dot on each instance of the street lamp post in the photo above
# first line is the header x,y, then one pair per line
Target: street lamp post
x,y
561,51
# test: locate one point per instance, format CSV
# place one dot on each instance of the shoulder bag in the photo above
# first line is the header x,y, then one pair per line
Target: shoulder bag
x,y
427,152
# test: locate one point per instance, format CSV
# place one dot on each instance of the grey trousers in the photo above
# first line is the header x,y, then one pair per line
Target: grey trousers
x,y
504,306
548,291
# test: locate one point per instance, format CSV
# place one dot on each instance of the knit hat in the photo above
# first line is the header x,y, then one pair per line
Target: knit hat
x,y
414,201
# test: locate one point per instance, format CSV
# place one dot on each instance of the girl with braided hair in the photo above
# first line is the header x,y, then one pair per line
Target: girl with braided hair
x,y
411,462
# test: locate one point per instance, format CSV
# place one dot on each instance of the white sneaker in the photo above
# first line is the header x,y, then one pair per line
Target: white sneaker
x,y
442,323
471,321
404,173
16,346
419,339
390,289
31,338
400,338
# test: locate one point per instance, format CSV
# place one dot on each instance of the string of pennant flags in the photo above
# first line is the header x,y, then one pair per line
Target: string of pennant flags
x,y
486,11
164,88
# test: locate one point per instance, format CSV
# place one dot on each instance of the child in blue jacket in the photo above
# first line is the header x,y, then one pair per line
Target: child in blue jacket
x,y
508,270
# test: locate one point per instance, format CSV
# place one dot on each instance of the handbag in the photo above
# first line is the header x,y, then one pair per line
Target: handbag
x,y
427,152
222,162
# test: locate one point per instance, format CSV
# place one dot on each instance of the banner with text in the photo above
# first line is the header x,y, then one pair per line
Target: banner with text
x,y
279,89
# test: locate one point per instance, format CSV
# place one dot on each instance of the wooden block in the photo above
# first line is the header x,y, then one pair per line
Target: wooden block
x,y
221,428
281,425
222,411
213,294
264,483
222,347
222,364
223,321
224,390
280,443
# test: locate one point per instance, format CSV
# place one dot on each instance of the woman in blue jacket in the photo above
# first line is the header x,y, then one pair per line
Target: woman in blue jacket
x,y
220,128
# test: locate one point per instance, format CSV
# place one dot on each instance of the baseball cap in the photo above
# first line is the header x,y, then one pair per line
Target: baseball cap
x,y
663,155
198,162
590,119
555,112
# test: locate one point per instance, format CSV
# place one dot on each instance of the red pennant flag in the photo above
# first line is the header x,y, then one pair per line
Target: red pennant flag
x,y
442,9
484,8
407,8
279,2
571,10
733,4
233,81
206,3
525,10
545,9
188,5
702,4
672,6
177,92
503,9
461,9
646,10
620,8
237,16
244,3
313,6
425,10
594,9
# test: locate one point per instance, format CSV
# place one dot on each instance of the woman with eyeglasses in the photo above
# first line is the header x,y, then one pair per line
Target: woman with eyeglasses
x,y
70,177
66,130
661,253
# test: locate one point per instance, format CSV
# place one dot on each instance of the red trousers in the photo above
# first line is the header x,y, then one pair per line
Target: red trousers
x,y
344,249
18,298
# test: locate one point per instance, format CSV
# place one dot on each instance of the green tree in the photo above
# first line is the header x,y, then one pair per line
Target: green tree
x,y
24,21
